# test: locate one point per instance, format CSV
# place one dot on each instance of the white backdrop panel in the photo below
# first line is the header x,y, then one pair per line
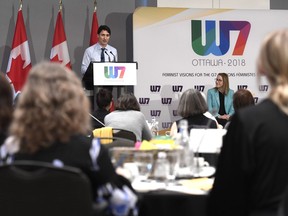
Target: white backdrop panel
x,y
168,64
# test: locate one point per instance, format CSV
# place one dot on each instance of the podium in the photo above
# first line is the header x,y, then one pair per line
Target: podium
x,y
118,74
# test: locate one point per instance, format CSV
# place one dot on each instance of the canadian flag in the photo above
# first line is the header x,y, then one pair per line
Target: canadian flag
x,y
94,29
19,63
59,51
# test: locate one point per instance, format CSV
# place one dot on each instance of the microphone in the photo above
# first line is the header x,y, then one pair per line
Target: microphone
x,y
108,56
114,57
197,169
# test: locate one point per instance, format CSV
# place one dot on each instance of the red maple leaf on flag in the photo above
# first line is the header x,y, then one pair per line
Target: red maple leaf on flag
x,y
59,51
19,63
56,59
19,74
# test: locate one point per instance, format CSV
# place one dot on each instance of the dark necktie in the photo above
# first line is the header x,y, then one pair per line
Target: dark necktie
x,y
102,55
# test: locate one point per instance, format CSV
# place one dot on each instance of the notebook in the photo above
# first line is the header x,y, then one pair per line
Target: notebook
x,y
206,140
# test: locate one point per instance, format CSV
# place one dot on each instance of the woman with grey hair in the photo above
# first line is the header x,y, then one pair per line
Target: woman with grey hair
x,y
192,107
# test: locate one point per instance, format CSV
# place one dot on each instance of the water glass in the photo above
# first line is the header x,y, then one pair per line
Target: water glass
x,y
173,157
144,162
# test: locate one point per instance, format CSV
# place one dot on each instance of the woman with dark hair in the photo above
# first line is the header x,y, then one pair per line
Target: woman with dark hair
x,y
220,99
242,98
50,124
192,107
104,102
127,116
6,107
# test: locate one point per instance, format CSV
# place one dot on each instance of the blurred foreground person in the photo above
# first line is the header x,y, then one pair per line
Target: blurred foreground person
x,y
50,123
6,107
251,175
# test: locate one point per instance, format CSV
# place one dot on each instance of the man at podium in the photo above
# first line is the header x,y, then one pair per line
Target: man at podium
x,y
99,52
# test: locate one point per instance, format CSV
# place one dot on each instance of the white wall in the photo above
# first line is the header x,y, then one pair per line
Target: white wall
x,y
223,4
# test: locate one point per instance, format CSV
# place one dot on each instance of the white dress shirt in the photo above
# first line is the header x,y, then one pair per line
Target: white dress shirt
x,y
93,53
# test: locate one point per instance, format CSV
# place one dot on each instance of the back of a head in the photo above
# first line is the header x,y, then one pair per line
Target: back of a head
x,y
273,63
127,101
6,103
103,98
242,98
52,106
191,103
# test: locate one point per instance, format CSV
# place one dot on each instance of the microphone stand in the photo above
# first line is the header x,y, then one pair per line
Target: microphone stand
x,y
108,56
197,165
97,120
114,57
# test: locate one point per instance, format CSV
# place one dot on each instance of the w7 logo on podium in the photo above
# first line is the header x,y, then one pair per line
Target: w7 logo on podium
x,y
114,72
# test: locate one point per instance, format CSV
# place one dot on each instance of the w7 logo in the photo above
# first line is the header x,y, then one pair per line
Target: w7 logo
x,y
225,27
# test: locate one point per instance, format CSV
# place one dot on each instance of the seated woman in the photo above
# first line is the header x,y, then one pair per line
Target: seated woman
x,y
104,102
127,116
192,107
220,99
241,98
50,123
6,107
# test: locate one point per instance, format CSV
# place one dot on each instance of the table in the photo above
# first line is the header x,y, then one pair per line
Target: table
x,y
170,203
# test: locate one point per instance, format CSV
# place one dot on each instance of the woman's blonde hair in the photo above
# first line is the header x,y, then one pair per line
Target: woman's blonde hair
x,y
273,63
225,87
52,107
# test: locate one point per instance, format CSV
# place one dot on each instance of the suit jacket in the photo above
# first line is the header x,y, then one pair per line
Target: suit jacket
x,y
213,102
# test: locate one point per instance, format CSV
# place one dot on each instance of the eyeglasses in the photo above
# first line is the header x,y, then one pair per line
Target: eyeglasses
x,y
219,80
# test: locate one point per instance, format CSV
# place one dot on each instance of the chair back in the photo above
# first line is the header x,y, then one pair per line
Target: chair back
x,y
116,142
104,132
39,188
283,206
121,133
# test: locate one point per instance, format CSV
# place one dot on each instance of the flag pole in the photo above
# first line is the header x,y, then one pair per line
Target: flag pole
x,y
60,5
20,2
95,5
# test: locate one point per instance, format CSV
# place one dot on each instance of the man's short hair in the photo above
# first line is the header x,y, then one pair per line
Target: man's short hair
x,y
104,28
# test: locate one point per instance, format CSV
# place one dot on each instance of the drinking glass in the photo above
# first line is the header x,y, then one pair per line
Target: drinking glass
x,y
144,162
173,157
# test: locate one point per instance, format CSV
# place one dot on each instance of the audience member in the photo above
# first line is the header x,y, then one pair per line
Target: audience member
x,y
192,107
6,107
251,175
241,98
103,101
220,99
127,116
50,123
